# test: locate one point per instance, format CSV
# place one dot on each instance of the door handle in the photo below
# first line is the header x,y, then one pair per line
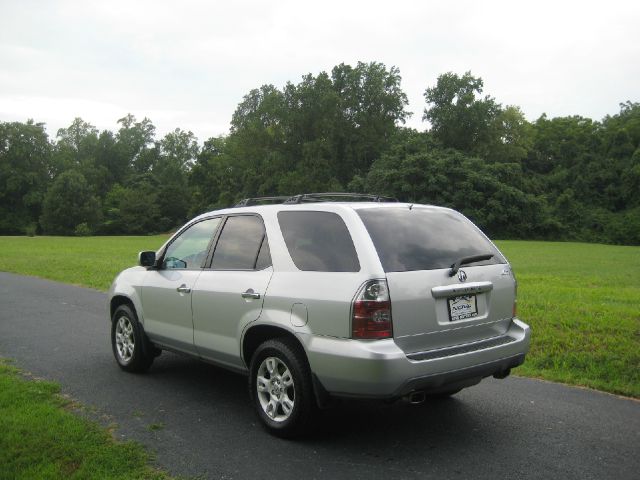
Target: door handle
x,y
250,294
183,289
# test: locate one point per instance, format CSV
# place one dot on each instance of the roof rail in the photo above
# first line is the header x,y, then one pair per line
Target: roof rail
x,y
320,197
260,200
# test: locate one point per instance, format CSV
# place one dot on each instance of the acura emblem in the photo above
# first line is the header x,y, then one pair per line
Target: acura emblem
x,y
462,276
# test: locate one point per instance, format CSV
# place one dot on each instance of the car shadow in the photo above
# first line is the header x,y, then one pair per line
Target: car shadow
x,y
449,422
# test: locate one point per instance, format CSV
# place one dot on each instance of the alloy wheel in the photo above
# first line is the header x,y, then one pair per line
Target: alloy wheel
x,y
125,342
275,386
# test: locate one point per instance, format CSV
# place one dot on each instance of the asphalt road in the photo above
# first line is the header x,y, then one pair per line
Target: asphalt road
x,y
513,428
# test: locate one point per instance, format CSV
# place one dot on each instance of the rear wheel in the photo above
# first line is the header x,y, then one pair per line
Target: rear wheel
x,y
131,347
280,387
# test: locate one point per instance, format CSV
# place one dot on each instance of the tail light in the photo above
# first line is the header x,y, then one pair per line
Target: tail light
x,y
371,312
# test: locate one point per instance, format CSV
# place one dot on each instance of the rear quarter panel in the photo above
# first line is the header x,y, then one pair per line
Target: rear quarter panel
x,y
326,295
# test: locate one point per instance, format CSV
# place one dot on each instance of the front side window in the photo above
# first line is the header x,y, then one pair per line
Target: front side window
x,y
318,241
240,244
189,250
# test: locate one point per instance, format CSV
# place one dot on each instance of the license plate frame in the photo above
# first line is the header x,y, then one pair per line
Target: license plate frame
x,y
462,307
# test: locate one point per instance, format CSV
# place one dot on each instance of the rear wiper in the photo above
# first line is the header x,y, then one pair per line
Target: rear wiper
x,y
464,260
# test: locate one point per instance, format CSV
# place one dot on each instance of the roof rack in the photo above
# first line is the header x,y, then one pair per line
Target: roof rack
x,y
320,197
314,197
260,200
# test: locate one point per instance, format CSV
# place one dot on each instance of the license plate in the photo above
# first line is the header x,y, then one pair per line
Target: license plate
x,y
462,307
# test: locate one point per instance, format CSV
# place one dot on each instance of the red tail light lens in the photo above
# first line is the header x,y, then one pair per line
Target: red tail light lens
x,y
371,312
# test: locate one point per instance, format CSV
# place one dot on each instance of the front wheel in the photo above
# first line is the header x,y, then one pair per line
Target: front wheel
x,y
131,347
280,387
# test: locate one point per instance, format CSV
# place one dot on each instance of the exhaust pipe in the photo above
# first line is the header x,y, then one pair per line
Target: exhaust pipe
x,y
502,374
416,398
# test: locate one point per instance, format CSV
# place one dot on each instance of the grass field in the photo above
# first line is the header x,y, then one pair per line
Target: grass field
x,y
42,438
581,300
583,304
88,261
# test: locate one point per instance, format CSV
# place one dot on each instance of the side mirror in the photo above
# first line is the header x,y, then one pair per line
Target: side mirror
x,y
147,259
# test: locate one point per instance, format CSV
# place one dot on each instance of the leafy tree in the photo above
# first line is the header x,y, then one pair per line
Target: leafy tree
x,y
177,153
459,118
133,209
69,202
217,180
451,178
172,195
372,104
561,142
109,162
77,144
135,143
25,166
79,147
317,134
179,148
569,178
510,137
622,131
630,181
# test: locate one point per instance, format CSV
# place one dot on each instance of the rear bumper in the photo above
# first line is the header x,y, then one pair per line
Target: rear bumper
x,y
380,369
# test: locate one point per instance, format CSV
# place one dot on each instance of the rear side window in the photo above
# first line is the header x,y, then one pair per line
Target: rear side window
x,y
318,241
239,244
424,239
264,256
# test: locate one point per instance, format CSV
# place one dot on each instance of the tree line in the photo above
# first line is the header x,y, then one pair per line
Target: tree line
x,y
563,178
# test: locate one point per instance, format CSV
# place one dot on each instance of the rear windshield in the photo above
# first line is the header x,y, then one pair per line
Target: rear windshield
x,y
318,241
424,239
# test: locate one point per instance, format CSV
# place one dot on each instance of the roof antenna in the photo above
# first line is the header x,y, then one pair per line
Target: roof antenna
x,y
410,206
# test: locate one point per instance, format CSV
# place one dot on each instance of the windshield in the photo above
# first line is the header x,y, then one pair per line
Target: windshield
x,y
424,238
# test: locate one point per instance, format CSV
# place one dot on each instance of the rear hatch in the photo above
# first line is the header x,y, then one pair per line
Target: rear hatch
x,y
433,305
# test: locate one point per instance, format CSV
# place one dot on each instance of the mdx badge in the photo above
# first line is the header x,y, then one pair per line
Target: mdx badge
x,y
462,276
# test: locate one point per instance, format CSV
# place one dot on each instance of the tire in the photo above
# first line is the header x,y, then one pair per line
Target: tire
x,y
131,347
281,389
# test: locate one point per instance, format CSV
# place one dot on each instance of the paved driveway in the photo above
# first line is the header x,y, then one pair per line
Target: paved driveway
x,y
513,428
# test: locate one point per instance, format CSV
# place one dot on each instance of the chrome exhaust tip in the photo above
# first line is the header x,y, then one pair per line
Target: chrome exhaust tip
x,y
416,398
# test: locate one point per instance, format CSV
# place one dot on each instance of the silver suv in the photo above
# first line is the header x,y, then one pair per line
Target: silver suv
x,y
317,299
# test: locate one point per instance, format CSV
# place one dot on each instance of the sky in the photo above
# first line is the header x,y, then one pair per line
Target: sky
x,y
188,64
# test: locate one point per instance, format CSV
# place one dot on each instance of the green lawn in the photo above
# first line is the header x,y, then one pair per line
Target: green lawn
x,y
583,304
41,437
88,261
582,300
